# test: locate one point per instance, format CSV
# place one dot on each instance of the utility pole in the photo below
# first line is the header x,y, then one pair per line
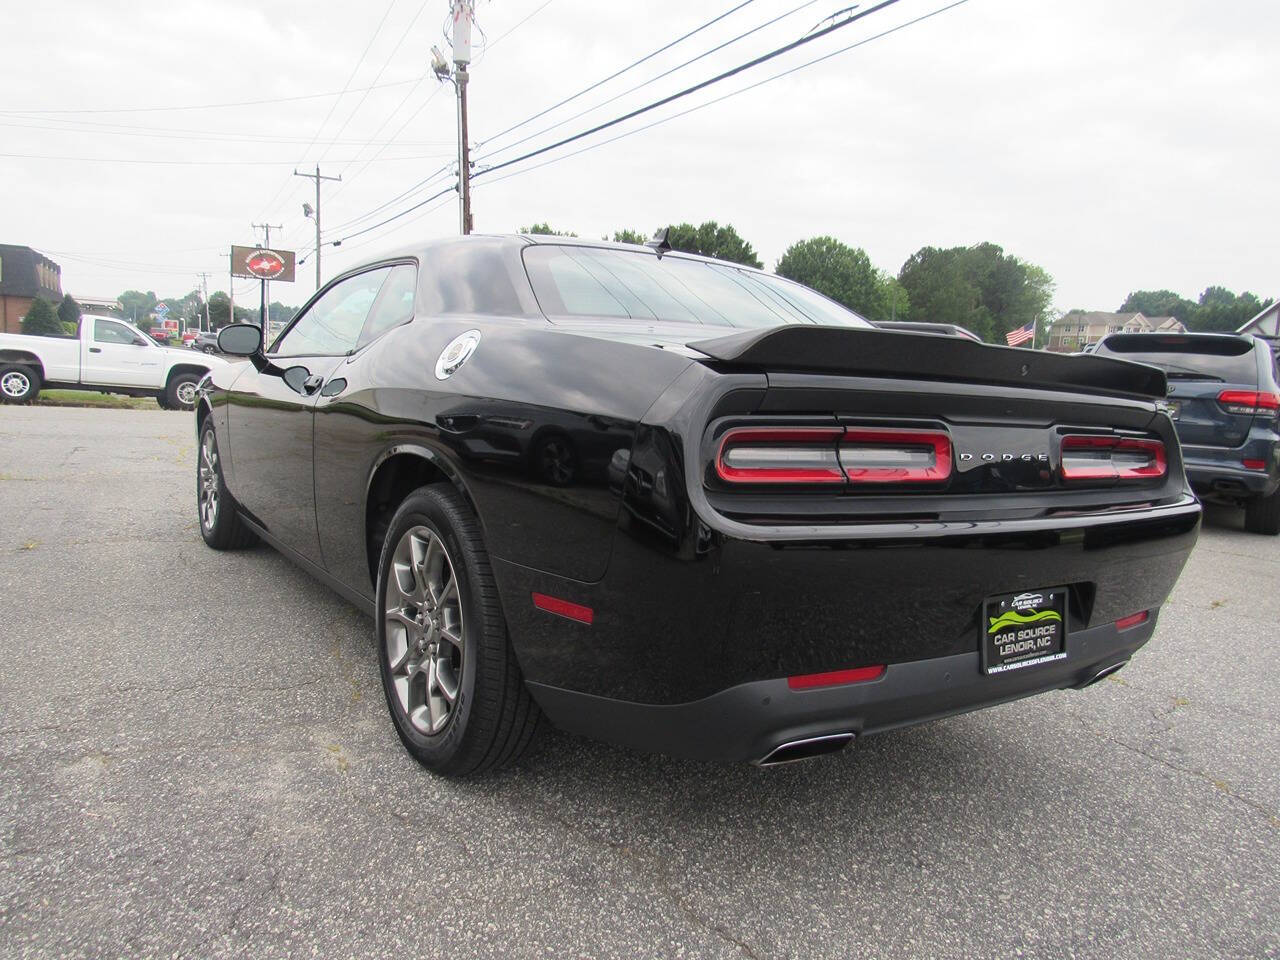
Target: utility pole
x,y
463,14
266,284
204,288
306,207
231,287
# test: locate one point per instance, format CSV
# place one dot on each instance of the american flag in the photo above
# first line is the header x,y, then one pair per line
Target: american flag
x,y
1016,338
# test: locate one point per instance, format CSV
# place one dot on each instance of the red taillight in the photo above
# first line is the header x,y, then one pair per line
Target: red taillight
x,y
1254,464
563,608
836,677
1249,402
1112,458
1132,621
780,455
833,455
895,456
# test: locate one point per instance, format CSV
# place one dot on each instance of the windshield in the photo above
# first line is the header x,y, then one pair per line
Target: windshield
x,y
572,281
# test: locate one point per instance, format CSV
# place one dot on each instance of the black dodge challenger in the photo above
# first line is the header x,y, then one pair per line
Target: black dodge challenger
x,y
688,506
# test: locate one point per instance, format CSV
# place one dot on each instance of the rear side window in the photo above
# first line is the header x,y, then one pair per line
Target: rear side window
x,y
1229,359
394,305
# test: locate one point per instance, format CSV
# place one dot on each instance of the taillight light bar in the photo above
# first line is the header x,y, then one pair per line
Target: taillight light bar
x,y
827,455
895,456
1098,457
1249,402
780,455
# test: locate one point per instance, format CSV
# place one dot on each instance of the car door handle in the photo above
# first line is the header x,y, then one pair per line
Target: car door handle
x,y
95,349
312,383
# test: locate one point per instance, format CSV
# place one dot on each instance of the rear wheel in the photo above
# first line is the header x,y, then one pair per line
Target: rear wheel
x,y
1263,515
18,383
454,689
220,524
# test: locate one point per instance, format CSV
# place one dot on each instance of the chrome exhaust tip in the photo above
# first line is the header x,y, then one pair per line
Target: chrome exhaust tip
x,y
793,751
1101,675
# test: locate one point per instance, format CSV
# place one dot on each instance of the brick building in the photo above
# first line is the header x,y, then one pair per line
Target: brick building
x,y
25,275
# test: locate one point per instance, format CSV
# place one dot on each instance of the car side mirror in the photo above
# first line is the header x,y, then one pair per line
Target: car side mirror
x,y
240,339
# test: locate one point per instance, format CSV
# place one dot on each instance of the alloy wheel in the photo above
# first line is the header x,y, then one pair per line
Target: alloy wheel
x,y
15,384
186,393
424,630
208,481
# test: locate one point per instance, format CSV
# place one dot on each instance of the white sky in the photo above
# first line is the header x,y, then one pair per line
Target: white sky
x,y
1120,145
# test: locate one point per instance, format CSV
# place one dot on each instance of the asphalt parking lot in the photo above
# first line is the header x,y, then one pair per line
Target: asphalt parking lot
x,y
197,762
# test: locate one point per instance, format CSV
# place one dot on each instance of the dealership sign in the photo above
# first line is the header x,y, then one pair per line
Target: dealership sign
x,y
260,263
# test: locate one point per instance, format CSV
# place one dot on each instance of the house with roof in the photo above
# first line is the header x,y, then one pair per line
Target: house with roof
x,y
25,275
1266,324
1079,328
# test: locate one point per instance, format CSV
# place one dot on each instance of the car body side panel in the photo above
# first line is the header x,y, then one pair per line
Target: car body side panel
x,y
531,423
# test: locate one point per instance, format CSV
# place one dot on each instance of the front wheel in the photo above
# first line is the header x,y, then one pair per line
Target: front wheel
x,y
18,383
181,392
220,524
454,689
1262,515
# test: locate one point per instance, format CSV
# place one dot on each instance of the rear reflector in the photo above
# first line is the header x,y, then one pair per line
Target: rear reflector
x,y
836,677
895,456
780,455
1132,621
1254,464
563,608
1249,401
1087,457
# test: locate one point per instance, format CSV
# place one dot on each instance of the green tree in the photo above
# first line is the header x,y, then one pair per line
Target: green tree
x,y
979,287
712,240
1221,310
42,320
69,312
846,275
1159,303
546,229
134,304
629,236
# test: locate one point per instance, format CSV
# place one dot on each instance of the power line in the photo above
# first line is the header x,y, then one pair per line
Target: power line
x,y
734,93
271,204
614,76
220,106
197,163
763,58
397,216
385,63
187,135
382,206
645,83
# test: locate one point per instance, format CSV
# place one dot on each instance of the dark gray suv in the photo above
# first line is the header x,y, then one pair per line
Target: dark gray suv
x,y
1224,397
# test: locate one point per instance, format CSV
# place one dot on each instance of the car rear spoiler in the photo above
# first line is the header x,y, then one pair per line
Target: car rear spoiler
x,y
883,353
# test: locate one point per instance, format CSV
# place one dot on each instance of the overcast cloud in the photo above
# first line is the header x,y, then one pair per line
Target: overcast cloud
x,y
1120,145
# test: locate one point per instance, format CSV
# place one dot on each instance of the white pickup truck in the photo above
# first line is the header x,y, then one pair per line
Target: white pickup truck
x,y
108,356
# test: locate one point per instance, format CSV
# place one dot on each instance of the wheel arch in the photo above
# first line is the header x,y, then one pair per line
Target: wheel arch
x,y
395,474
196,368
24,357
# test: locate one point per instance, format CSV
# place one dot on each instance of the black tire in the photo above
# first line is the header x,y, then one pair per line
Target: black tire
x,y
177,388
493,718
1263,515
226,531
162,401
18,383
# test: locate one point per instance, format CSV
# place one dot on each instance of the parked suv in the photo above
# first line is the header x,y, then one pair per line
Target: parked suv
x,y
1224,398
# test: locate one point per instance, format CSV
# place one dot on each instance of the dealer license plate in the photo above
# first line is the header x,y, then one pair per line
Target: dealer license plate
x,y
1021,630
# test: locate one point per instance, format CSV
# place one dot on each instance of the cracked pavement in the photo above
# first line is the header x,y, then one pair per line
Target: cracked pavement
x,y
197,762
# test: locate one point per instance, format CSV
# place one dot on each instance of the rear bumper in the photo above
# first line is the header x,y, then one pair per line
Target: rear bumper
x,y
1229,480
750,720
